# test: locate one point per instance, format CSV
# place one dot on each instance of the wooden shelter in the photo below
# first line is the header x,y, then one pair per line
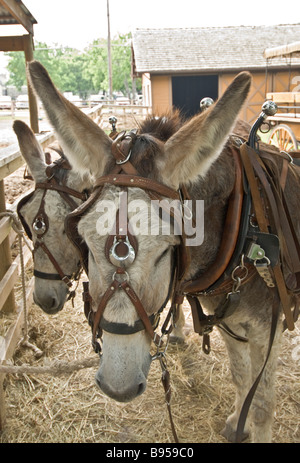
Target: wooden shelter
x,y
181,66
14,12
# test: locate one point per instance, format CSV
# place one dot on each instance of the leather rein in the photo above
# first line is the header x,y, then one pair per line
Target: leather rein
x,y
40,223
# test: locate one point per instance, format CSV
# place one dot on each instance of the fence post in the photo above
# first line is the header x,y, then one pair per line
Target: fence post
x,y
9,305
2,405
6,260
33,108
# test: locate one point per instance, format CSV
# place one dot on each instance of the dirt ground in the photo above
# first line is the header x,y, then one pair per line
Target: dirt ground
x,y
71,409
15,185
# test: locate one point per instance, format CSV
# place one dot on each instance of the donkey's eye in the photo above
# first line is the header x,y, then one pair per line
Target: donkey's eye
x,y
163,254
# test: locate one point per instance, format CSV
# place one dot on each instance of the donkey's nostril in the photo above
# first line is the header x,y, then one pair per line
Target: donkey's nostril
x,y
141,388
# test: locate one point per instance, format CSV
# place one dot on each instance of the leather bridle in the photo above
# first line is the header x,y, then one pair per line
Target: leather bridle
x,y
40,223
122,246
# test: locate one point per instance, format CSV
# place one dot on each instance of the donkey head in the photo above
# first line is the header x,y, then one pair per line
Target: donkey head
x,y
187,155
49,291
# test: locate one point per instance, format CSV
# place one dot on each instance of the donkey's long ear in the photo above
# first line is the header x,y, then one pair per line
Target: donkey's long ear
x,y
191,151
31,150
85,144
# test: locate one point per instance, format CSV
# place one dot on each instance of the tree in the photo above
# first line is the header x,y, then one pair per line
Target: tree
x,y
96,65
50,57
82,73
121,64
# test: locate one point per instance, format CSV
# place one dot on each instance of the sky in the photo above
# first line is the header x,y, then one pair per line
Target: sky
x,y
65,22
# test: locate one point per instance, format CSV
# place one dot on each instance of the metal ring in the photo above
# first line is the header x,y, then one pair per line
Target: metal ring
x,y
268,262
116,259
125,274
242,267
290,158
39,226
125,160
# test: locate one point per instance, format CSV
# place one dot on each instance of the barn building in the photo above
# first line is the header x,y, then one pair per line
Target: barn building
x,y
181,66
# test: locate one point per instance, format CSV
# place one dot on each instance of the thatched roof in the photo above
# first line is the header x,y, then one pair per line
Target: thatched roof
x,y
210,48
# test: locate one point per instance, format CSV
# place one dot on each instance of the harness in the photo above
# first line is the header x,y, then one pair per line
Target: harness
x,y
259,239
248,247
40,223
266,243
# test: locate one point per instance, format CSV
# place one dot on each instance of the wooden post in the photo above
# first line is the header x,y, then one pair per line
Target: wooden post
x,y
2,405
33,108
110,85
5,262
9,304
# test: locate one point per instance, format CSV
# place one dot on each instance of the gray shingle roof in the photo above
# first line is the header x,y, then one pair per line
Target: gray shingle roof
x,y
210,48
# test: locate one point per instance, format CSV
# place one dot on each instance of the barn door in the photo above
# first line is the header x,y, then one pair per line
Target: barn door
x,y
188,91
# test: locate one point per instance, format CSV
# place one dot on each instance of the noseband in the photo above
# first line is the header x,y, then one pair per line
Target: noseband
x,y
121,248
40,223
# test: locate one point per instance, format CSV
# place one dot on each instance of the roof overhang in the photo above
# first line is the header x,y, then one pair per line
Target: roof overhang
x,y
284,50
218,70
15,12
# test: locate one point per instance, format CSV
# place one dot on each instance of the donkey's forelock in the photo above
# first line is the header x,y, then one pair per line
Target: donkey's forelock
x,y
149,146
162,127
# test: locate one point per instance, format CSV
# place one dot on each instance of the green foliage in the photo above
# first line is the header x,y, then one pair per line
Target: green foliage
x,y
82,73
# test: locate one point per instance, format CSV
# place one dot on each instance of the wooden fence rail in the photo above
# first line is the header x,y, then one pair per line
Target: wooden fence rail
x,y
10,161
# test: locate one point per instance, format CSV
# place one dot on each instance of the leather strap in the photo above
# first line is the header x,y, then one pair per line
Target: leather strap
x,y
122,145
136,181
53,185
102,304
120,235
139,308
63,276
50,276
96,322
250,395
283,227
248,156
229,238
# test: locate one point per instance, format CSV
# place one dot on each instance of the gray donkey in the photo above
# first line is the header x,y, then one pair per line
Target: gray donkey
x,y
130,271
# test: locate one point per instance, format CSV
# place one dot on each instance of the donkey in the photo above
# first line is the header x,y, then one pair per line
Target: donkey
x,y
43,213
196,157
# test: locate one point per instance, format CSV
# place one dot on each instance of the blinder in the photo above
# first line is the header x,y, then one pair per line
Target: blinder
x,y
20,204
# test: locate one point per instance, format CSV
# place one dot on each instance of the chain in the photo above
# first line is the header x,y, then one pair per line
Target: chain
x,y
237,280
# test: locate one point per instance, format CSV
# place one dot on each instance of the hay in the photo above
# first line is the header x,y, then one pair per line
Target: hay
x,y
70,408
